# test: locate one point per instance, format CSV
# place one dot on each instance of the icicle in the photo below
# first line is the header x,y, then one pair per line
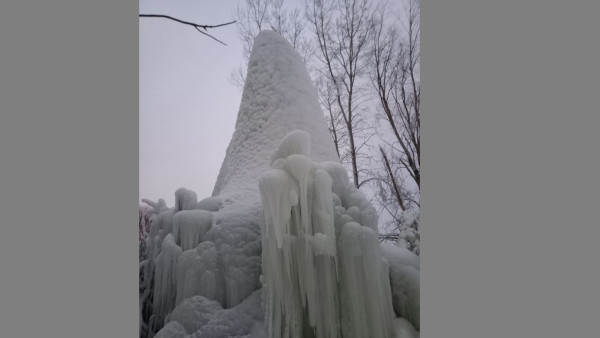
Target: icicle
x,y
189,227
314,284
299,245
365,291
185,199
165,280
197,273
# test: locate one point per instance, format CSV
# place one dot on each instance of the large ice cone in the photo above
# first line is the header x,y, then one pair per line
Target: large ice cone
x,y
278,98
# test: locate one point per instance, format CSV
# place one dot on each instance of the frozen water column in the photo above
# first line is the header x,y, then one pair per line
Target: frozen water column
x,y
278,98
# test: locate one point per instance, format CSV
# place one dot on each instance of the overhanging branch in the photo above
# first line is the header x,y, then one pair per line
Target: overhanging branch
x,y
195,25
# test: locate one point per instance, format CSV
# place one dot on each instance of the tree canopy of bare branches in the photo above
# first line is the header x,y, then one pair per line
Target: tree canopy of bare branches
x,y
341,29
395,77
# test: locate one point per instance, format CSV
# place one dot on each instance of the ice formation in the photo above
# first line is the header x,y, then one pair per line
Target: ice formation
x,y
283,207
197,273
165,279
172,330
320,280
199,317
185,199
278,98
189,227
405,281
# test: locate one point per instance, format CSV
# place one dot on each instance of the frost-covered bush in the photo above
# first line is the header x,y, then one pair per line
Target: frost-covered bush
x,y
408,235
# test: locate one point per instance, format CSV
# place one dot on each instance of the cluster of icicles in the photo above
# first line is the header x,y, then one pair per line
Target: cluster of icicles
x,y
323,273
191,257
179,271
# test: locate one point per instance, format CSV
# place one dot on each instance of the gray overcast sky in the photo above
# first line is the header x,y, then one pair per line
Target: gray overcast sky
x,y
188,107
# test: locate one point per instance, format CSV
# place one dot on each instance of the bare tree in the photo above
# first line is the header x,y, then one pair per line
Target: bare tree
x,y
328,100
342,29
395,53
395,78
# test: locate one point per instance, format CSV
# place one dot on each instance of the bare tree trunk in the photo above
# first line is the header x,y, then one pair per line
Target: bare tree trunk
x,y
393,180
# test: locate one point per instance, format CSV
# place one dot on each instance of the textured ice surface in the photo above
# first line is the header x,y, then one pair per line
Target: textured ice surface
x,y
236,322
278,98
185,199
397,255
203,318
189,227
172,330
197,273
195,312
236,236
210,204
165,280
405,281
403,329
365,286
299,244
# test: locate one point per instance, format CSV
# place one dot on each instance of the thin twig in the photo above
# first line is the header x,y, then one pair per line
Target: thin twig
x,y
195,25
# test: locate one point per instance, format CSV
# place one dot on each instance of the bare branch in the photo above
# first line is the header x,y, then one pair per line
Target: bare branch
x,y
195,25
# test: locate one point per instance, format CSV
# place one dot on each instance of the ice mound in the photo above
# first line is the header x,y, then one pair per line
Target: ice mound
x,y
203,318
193,313
197,273
172,330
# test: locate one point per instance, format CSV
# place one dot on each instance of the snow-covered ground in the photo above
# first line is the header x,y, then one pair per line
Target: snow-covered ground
x,y
286,246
